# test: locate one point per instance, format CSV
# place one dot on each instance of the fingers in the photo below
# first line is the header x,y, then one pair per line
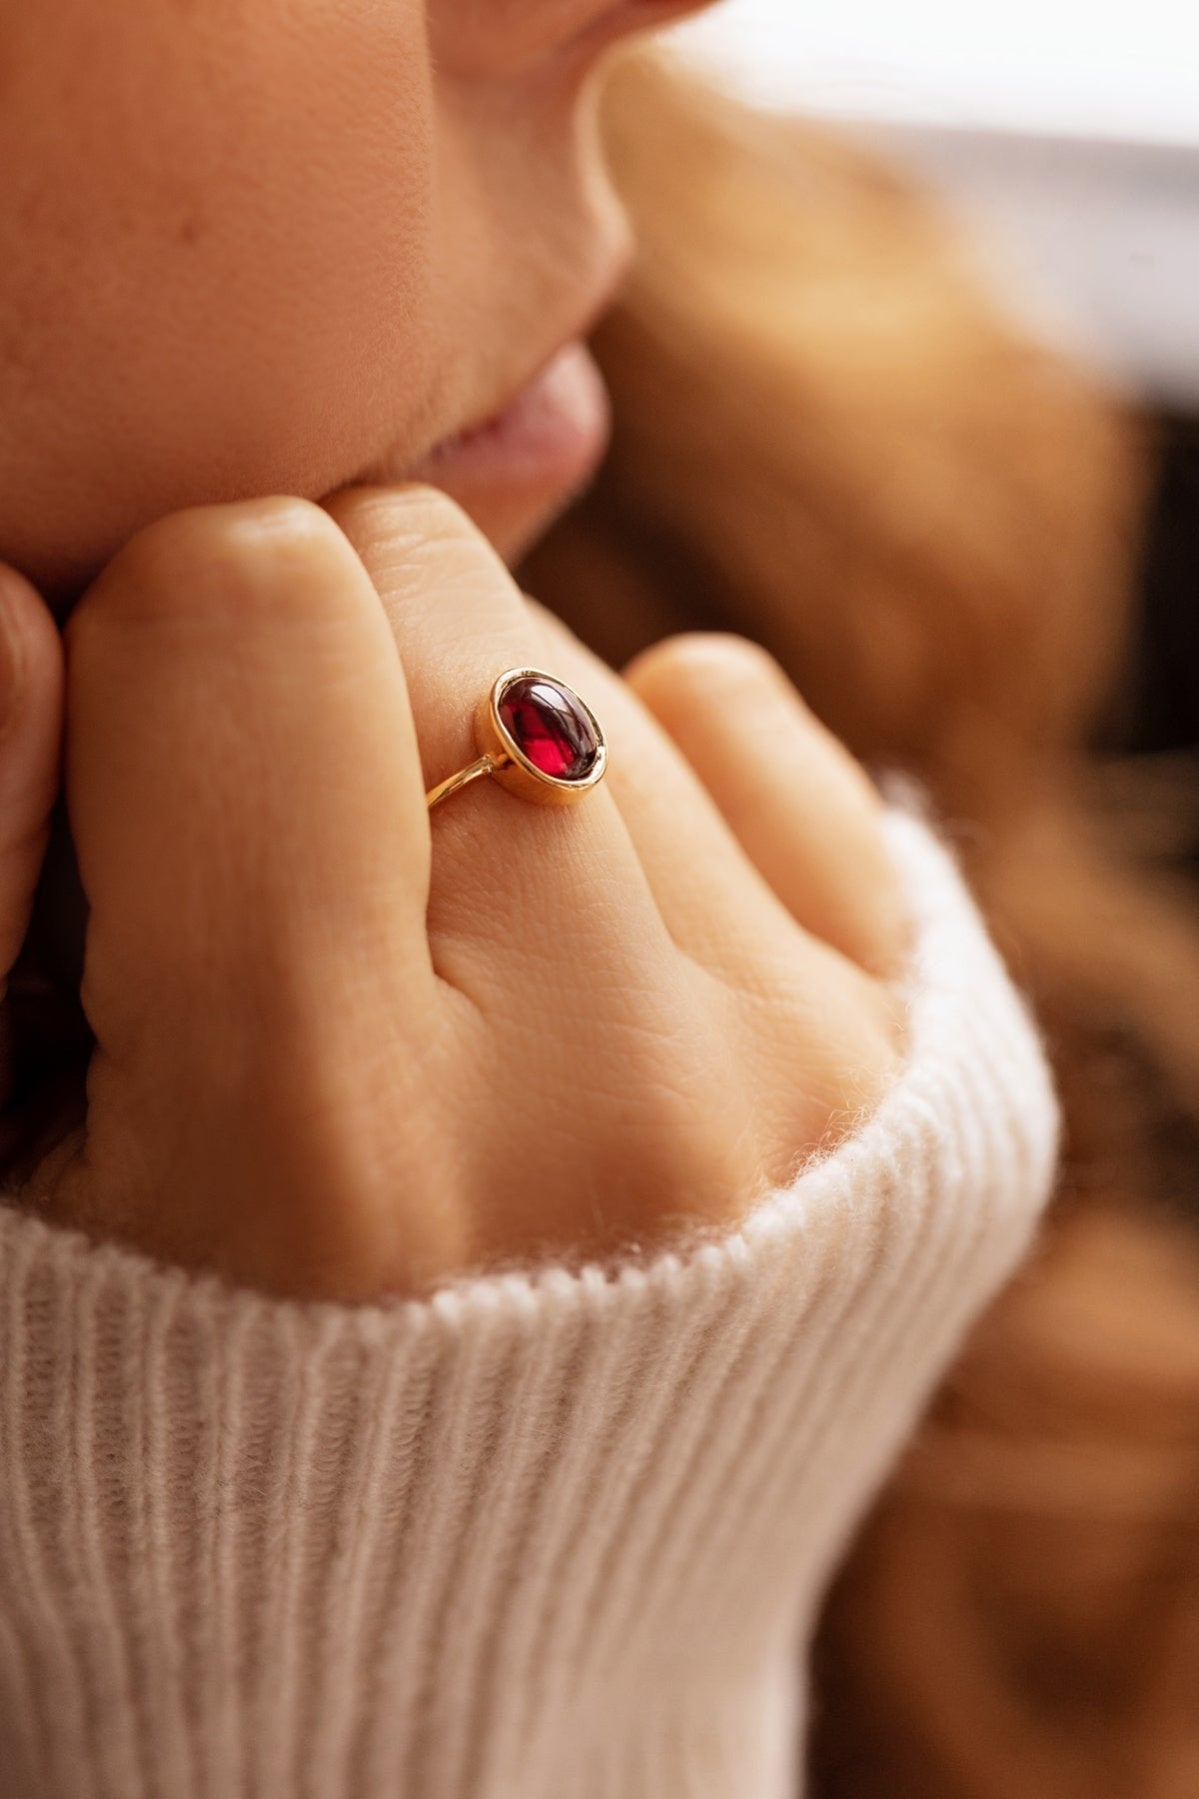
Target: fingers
x,y
826,1035
715,903
258,696
803,810
245,798
30,735
512,883
455,613
647,846
728,856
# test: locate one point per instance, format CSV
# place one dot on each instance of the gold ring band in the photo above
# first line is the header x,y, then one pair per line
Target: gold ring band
x,y
536,737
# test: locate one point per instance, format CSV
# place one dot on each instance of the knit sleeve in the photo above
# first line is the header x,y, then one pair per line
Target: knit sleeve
x,y
543,1535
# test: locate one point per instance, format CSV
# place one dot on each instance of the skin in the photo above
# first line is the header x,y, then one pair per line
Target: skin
x,y
200,201
345,1047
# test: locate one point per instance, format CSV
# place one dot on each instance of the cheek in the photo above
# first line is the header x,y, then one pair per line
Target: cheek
x,y
215,232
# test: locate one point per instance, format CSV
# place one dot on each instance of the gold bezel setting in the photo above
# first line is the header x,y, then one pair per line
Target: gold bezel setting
x,y
511,767
503,756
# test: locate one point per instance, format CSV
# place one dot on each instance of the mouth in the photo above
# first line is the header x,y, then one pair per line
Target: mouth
x,y
550,434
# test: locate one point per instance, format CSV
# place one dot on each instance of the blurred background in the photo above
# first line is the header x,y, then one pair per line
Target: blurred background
x,y
1065,135
954,553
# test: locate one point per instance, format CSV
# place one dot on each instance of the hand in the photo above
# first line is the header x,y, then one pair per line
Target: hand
x,y
346,1047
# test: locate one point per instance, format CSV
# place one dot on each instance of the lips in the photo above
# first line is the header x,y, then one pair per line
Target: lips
x,y
549,435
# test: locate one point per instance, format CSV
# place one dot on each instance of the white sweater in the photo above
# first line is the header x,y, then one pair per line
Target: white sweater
x,y
542,1536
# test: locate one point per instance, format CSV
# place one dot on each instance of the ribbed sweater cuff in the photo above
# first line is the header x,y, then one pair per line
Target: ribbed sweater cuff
x,y
545,1535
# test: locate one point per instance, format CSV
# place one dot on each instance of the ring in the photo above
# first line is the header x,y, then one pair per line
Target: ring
x,y
537,738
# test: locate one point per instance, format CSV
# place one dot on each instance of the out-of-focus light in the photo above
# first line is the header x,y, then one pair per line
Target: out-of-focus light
x,y
1066,131
1107,68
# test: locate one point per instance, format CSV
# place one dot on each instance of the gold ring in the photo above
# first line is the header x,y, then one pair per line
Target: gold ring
x,y
537,738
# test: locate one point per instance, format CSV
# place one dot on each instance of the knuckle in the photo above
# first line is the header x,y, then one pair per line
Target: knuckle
x,y
416,540
846,1067
409,526
692,663
867,1060
440,515
256,555
407,506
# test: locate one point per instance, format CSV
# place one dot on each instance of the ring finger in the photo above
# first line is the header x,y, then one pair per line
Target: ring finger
x,y
532,876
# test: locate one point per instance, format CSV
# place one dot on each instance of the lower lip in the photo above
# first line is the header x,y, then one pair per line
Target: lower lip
x,y
550,435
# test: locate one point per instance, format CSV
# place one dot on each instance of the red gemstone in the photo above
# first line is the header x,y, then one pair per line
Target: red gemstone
x,y
548,725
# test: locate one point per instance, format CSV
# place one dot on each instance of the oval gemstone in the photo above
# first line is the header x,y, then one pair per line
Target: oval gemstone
x,y
548,725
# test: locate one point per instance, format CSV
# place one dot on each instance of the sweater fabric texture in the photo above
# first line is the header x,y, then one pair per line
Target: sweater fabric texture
x,y
546,1534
